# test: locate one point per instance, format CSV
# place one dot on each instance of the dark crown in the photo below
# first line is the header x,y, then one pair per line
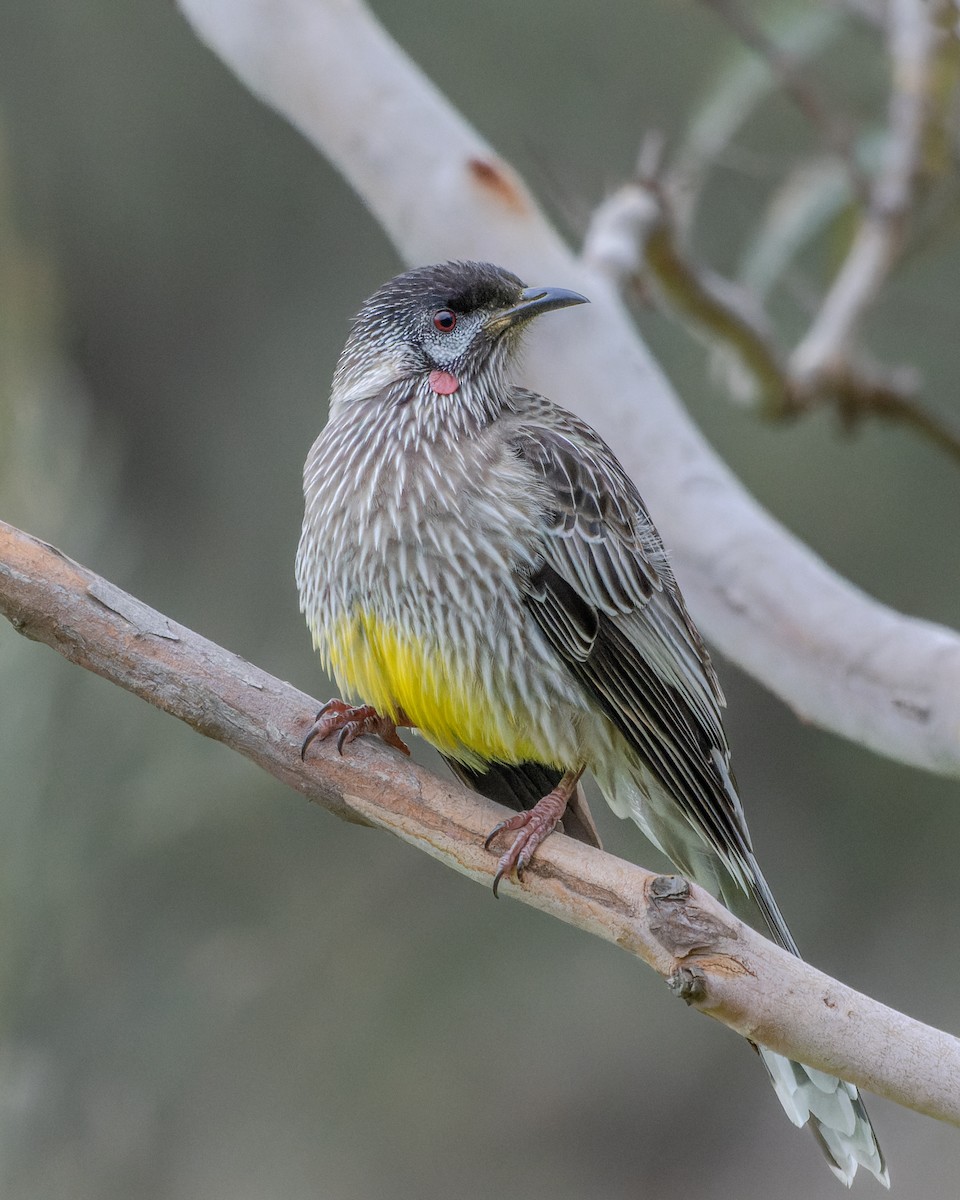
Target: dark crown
x,y
461,286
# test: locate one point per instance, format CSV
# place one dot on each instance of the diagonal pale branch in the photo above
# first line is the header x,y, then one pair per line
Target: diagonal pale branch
x,y
706,955
836,656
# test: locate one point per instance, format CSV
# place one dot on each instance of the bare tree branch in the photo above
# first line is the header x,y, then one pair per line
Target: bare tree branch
x,y
707,956
825,368
737,92
788,72
836,656
633,233
912,37
632,238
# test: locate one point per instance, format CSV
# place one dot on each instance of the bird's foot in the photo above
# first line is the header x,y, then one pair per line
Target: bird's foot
x,y
349,722
532,826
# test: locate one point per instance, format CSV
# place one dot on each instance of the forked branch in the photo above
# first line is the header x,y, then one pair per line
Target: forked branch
x,y
635,235
633,238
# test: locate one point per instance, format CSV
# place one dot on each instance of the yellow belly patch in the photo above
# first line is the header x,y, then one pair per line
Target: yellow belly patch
x,y
376,662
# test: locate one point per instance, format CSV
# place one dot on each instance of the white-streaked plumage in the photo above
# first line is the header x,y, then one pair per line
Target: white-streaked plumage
x,y
480,559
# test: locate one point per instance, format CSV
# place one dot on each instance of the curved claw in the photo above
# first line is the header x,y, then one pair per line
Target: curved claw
x,y
349,722
491,835
316,730
531,826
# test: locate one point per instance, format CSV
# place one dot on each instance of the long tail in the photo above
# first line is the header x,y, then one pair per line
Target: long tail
x,y
835,1112
830,1106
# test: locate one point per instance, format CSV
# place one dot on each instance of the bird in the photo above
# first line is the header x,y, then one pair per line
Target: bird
x,y
477,565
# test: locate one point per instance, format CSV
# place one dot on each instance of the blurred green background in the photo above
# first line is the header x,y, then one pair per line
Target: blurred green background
x,y
210,988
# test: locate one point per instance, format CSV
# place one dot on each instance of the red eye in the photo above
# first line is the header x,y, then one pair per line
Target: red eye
x,y
445,320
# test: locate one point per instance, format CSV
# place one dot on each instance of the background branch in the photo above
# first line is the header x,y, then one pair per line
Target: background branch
x,y
825,368
633,240
837,657
711,959
911,37
788,73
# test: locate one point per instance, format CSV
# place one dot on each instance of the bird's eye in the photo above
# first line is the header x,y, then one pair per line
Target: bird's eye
x,y
445,320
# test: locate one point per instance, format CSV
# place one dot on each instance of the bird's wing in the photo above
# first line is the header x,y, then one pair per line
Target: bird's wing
x,y
605,599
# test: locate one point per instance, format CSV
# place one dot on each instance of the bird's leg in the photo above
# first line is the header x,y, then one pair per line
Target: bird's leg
x,y
533,825
349,722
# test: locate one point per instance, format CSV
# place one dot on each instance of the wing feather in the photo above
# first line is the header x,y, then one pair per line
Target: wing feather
x,y
605,598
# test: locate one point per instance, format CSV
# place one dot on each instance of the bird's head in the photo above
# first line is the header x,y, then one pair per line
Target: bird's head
x,y
440,329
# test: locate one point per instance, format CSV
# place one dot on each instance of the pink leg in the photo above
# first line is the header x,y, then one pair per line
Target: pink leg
x,y
533,825
351,722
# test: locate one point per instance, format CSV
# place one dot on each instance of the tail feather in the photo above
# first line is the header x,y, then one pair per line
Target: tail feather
x,y
831,1107
834,1111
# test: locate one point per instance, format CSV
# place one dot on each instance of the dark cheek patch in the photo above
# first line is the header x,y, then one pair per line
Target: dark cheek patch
x,y
443,383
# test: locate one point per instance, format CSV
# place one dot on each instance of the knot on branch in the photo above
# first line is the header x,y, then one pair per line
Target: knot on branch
x,y
679,923
689,984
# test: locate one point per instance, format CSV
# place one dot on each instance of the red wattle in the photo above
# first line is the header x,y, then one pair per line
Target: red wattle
x,y
443,383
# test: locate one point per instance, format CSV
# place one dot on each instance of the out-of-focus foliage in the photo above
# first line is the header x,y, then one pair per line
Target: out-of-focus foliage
x,y
210,989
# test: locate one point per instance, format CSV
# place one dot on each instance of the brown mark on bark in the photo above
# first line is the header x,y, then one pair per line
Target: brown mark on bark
x,y
498,184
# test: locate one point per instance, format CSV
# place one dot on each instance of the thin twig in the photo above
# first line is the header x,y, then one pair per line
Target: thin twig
x,y
734,97
794,84
631,238
879,240
824,368
632,234
711,959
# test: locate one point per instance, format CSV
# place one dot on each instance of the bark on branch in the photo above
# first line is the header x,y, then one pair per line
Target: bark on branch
x,y
708,957
836,656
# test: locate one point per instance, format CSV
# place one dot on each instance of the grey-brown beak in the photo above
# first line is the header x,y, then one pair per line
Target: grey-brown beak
x,y
533,302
